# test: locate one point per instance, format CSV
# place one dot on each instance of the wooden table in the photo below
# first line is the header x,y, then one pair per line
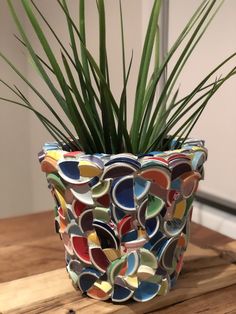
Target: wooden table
x,y
33,279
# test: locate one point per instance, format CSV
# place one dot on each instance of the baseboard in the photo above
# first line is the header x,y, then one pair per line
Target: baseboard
x,y
215,219
216,202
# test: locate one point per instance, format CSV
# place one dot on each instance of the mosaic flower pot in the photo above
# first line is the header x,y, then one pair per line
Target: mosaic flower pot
x,y
124,219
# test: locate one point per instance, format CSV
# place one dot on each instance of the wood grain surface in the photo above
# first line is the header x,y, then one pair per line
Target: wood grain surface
x,y
208,304
28,246
33,280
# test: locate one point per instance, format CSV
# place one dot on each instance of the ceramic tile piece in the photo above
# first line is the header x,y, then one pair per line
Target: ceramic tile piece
x,y
179,209
157,175
74,268
117,213
168,258
132,282
98,258
82,193
121,294
69,171
78,207
125,225
126,159
115,268
81,249
148,258
152,226
60,199
102,213
189,183
155,205
180,168
86,221
112,254
104,200
129,237
106,235
164,287
141,213
100,291
67,243
135,244
56,181
141,187
93,160
123,193
49,165
133,260
101,188
89,169
146,291
173,227
87,278
144,272
117,170
93,239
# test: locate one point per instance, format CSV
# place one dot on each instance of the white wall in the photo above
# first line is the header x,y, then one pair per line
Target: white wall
x,y
15,183
217,125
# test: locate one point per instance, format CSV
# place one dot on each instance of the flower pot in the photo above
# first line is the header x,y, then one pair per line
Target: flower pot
x,y
124,219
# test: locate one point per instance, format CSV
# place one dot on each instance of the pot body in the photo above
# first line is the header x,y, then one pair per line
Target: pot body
x,y
124,219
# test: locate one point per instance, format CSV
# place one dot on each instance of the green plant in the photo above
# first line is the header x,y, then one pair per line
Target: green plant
x,y
99,121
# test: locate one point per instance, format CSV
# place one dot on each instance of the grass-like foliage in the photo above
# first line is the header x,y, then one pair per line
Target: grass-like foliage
x,y
98,122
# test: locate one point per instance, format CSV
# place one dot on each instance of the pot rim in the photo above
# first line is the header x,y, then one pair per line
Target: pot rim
x,y
190,145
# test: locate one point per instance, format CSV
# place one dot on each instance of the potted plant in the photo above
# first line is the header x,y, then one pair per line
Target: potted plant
x,y
123,195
